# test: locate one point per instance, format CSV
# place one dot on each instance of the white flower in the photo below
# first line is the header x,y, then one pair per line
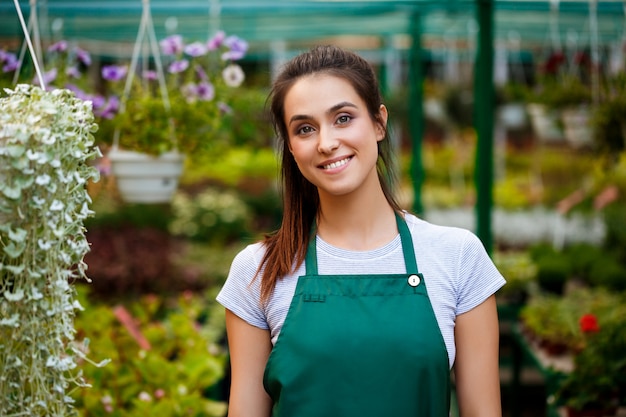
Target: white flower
x,y
233,75
56,206
43,179
144,396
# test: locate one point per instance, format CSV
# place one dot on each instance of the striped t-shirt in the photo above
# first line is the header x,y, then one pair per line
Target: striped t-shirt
x,y
458,272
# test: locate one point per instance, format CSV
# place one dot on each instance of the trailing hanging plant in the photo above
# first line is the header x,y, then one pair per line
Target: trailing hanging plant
x,y
46,141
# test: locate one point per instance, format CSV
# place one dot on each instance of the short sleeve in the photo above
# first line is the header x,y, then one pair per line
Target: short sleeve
x,y
478,277
241,292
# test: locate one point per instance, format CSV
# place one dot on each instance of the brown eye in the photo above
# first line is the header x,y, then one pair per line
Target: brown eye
x,y
343,119
304,130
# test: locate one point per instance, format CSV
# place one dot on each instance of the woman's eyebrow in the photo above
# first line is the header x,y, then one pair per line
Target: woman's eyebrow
x,y
331,110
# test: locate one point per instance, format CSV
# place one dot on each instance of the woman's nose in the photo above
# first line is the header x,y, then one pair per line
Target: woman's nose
x,y
328,142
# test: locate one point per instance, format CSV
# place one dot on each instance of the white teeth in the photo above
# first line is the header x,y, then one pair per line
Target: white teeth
x,y
337,164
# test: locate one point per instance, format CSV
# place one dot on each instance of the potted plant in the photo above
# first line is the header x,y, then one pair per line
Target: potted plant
x,y
46,143
598,380
511,109
566,101
164,117
609,124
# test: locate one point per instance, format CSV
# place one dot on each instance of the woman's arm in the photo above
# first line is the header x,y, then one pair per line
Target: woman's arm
x,y
476,368
249,349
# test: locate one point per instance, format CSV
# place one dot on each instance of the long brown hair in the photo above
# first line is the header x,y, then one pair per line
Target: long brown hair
x,y
286,248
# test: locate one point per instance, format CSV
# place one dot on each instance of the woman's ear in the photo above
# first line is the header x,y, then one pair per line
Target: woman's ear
x,y
382,126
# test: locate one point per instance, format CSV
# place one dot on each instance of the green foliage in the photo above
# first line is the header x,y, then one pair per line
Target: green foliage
x,y
556,318
46,143
598,380
234,166
147,126
519,271
513,192
137,215
553,267
607,272
608,121
249,125
561,92
171,376
212,216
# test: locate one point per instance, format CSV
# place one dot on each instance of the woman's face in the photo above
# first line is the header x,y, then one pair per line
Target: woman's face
x,y
331,135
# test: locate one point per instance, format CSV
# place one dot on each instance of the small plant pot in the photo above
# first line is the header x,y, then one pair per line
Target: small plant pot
x,y
513,115
577,127
545,123
143,178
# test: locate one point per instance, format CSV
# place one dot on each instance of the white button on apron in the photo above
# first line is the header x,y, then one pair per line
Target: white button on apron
x,y
414,280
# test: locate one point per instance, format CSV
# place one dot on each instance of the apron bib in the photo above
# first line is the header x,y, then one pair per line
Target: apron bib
x,y
360,346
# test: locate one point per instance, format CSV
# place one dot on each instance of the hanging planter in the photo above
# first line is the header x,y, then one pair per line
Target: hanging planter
x,y
545,123
143,178
46,143
167,114
577,127
512,115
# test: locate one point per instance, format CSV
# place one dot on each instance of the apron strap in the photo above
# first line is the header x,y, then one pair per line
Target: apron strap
x,y
405,237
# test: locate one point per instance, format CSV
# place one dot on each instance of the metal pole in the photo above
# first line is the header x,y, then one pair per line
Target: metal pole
x,y
416,112
483,121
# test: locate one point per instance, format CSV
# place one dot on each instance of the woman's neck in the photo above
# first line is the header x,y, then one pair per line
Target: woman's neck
x,y
363,222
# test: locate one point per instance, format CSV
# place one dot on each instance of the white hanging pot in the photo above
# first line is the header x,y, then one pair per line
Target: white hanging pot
x,y
577,127
545,123
143,178
512,115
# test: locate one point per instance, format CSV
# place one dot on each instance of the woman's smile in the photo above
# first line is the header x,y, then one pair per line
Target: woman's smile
x,y
335,164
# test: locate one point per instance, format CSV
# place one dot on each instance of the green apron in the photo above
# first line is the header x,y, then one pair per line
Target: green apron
x,y
359,346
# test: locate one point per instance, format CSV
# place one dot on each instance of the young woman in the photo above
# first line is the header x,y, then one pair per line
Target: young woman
x,y
355,307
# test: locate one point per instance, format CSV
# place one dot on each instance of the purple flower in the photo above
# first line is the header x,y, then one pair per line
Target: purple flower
x,y
178,66
83,56
237,46
60,46
196,49
224,108
149,75
216,41
172,45
104,167
109,109
72,72
98,101
78,92
10,62
201,73
205,91
48,76
114,72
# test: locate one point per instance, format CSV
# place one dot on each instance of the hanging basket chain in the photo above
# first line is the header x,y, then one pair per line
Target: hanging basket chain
x,y
33,52
146,25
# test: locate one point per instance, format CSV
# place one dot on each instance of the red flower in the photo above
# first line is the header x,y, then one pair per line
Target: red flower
x,y
589,323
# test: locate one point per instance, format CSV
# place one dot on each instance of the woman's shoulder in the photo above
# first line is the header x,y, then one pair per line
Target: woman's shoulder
x,y
251,255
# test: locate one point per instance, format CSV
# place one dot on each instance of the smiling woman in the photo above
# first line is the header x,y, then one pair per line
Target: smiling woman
x,y
335,297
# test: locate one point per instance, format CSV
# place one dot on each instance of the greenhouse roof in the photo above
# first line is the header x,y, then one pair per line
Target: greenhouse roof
x,y
370,24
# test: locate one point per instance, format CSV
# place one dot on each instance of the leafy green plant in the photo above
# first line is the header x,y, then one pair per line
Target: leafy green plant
x,y
199,78
519,271
165,353
598,378
46,142
212,216
608,118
